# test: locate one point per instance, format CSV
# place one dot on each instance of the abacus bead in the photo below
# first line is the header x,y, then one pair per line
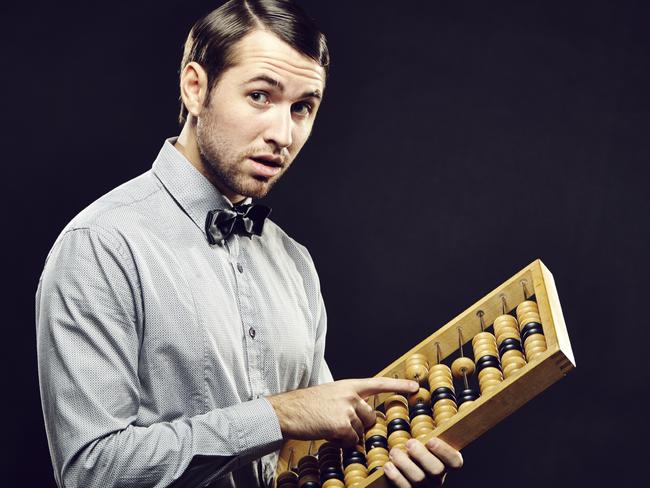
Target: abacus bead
x,y
398,424
487,362
417,372
420,396
508,345
396,399
308,483
462,364
441,394
333,483
526,304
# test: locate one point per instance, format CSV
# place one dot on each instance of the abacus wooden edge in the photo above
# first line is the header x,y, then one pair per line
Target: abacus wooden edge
x,y
490,409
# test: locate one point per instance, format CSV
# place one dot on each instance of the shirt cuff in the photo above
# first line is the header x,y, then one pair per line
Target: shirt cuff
x,y
249,429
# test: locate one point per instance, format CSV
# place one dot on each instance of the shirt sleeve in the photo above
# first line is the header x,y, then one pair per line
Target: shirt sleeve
x,y
88,321
321,371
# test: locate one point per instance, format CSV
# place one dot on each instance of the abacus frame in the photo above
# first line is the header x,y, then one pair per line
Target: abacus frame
x,y
489,409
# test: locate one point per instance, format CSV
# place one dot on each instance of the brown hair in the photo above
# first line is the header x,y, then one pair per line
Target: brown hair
x,y
211,39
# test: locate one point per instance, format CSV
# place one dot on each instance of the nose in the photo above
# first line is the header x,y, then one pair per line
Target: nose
x,y
279,130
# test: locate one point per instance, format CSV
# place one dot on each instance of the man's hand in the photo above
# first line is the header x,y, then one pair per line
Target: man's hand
x,y
334,411
424,465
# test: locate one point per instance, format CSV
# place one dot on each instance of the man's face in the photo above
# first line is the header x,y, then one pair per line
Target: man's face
x,y
259,115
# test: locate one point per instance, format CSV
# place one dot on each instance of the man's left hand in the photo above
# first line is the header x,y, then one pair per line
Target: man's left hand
x,y
424,465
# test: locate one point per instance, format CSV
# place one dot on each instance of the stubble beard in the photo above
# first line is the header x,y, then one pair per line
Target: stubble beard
x,y
225,166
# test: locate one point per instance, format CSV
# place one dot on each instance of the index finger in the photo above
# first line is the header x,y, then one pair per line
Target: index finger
x,y
366,387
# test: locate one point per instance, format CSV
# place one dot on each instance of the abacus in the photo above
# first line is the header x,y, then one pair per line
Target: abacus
x,y
520,347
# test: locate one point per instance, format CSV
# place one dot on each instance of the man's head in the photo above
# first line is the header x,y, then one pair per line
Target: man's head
x,y
252,77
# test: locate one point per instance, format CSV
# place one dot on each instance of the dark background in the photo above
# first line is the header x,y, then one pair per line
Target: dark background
x,y
461,139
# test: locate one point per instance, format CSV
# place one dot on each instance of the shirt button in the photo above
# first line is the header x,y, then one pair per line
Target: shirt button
x,y
240,268
251,332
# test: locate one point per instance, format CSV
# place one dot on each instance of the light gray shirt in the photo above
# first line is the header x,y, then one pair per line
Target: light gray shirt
x,y
156,349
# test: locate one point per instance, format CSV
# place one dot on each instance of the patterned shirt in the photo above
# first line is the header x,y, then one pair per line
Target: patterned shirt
x,y
156,349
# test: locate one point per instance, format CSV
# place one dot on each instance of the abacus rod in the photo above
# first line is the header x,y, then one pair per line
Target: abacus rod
x,y
523,285
290,461
438,353
504,306
480,314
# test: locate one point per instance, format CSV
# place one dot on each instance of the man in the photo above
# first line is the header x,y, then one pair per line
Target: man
x,y
180,333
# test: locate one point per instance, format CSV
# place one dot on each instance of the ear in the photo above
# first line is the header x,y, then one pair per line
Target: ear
x,y
194,87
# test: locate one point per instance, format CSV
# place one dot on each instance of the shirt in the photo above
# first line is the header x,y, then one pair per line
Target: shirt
x,y
156,349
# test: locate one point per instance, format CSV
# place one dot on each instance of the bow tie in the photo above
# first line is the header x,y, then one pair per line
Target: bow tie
x,y
241,219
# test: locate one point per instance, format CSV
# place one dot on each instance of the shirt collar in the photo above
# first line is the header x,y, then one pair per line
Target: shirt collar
x,y
191,190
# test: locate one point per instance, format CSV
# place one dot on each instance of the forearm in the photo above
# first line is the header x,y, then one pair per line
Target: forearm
x,y
160,454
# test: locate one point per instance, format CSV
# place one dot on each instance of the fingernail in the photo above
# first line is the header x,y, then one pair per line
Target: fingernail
x,y
410,444
389,467
432,443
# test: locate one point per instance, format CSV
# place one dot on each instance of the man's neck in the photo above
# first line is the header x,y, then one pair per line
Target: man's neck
x,y
186,144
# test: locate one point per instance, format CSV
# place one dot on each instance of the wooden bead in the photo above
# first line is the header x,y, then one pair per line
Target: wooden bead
x,y
444,402
421,396
376,464
377,429
333,483
355,468
526,304
418,358
421,419
465,405
394,400
417,372
462,365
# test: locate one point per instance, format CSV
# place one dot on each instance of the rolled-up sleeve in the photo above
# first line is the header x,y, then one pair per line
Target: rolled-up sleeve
x,y
88,321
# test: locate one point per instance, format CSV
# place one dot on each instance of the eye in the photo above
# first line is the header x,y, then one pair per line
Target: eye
x,y
302,108
259,97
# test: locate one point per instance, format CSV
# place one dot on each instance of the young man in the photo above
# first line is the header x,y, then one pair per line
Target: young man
x,y
180,333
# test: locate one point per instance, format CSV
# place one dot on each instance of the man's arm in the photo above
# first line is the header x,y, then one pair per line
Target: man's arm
x,y
88,309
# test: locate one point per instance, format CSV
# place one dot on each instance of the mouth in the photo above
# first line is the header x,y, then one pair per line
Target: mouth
x,y
266,165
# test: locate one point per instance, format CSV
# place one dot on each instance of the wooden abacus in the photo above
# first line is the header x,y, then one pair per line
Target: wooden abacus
x,y
520,347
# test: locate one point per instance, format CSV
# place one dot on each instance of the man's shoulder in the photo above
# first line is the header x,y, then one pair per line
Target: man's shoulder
x,y
121,207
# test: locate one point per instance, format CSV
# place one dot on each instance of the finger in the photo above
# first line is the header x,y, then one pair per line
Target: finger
x,y
357,426
449,456
429,463
411,471
396,478
366,414
366,387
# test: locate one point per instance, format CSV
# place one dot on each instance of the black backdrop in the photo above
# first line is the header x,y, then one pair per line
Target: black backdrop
x,y
461,139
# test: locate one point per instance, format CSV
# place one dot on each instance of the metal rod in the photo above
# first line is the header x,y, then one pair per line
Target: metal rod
x,y
480,315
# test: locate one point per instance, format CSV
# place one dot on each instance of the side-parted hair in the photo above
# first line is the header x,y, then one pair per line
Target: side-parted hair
x,y
212,38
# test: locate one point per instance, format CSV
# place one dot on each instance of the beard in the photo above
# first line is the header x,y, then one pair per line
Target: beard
x,y
226,166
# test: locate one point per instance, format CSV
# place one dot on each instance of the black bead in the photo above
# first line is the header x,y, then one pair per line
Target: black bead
x,y
442,393
487,362
398,424
376,441
419,409
467,395
328,475
530,329
310,484
508,345
354,460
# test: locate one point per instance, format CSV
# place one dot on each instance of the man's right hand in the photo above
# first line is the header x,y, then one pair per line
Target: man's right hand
x,y
334,411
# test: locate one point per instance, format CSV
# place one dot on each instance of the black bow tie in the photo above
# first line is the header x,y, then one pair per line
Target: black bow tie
x,y
241,219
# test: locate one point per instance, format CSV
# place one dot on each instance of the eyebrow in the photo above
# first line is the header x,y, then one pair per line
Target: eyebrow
x,y
278,84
